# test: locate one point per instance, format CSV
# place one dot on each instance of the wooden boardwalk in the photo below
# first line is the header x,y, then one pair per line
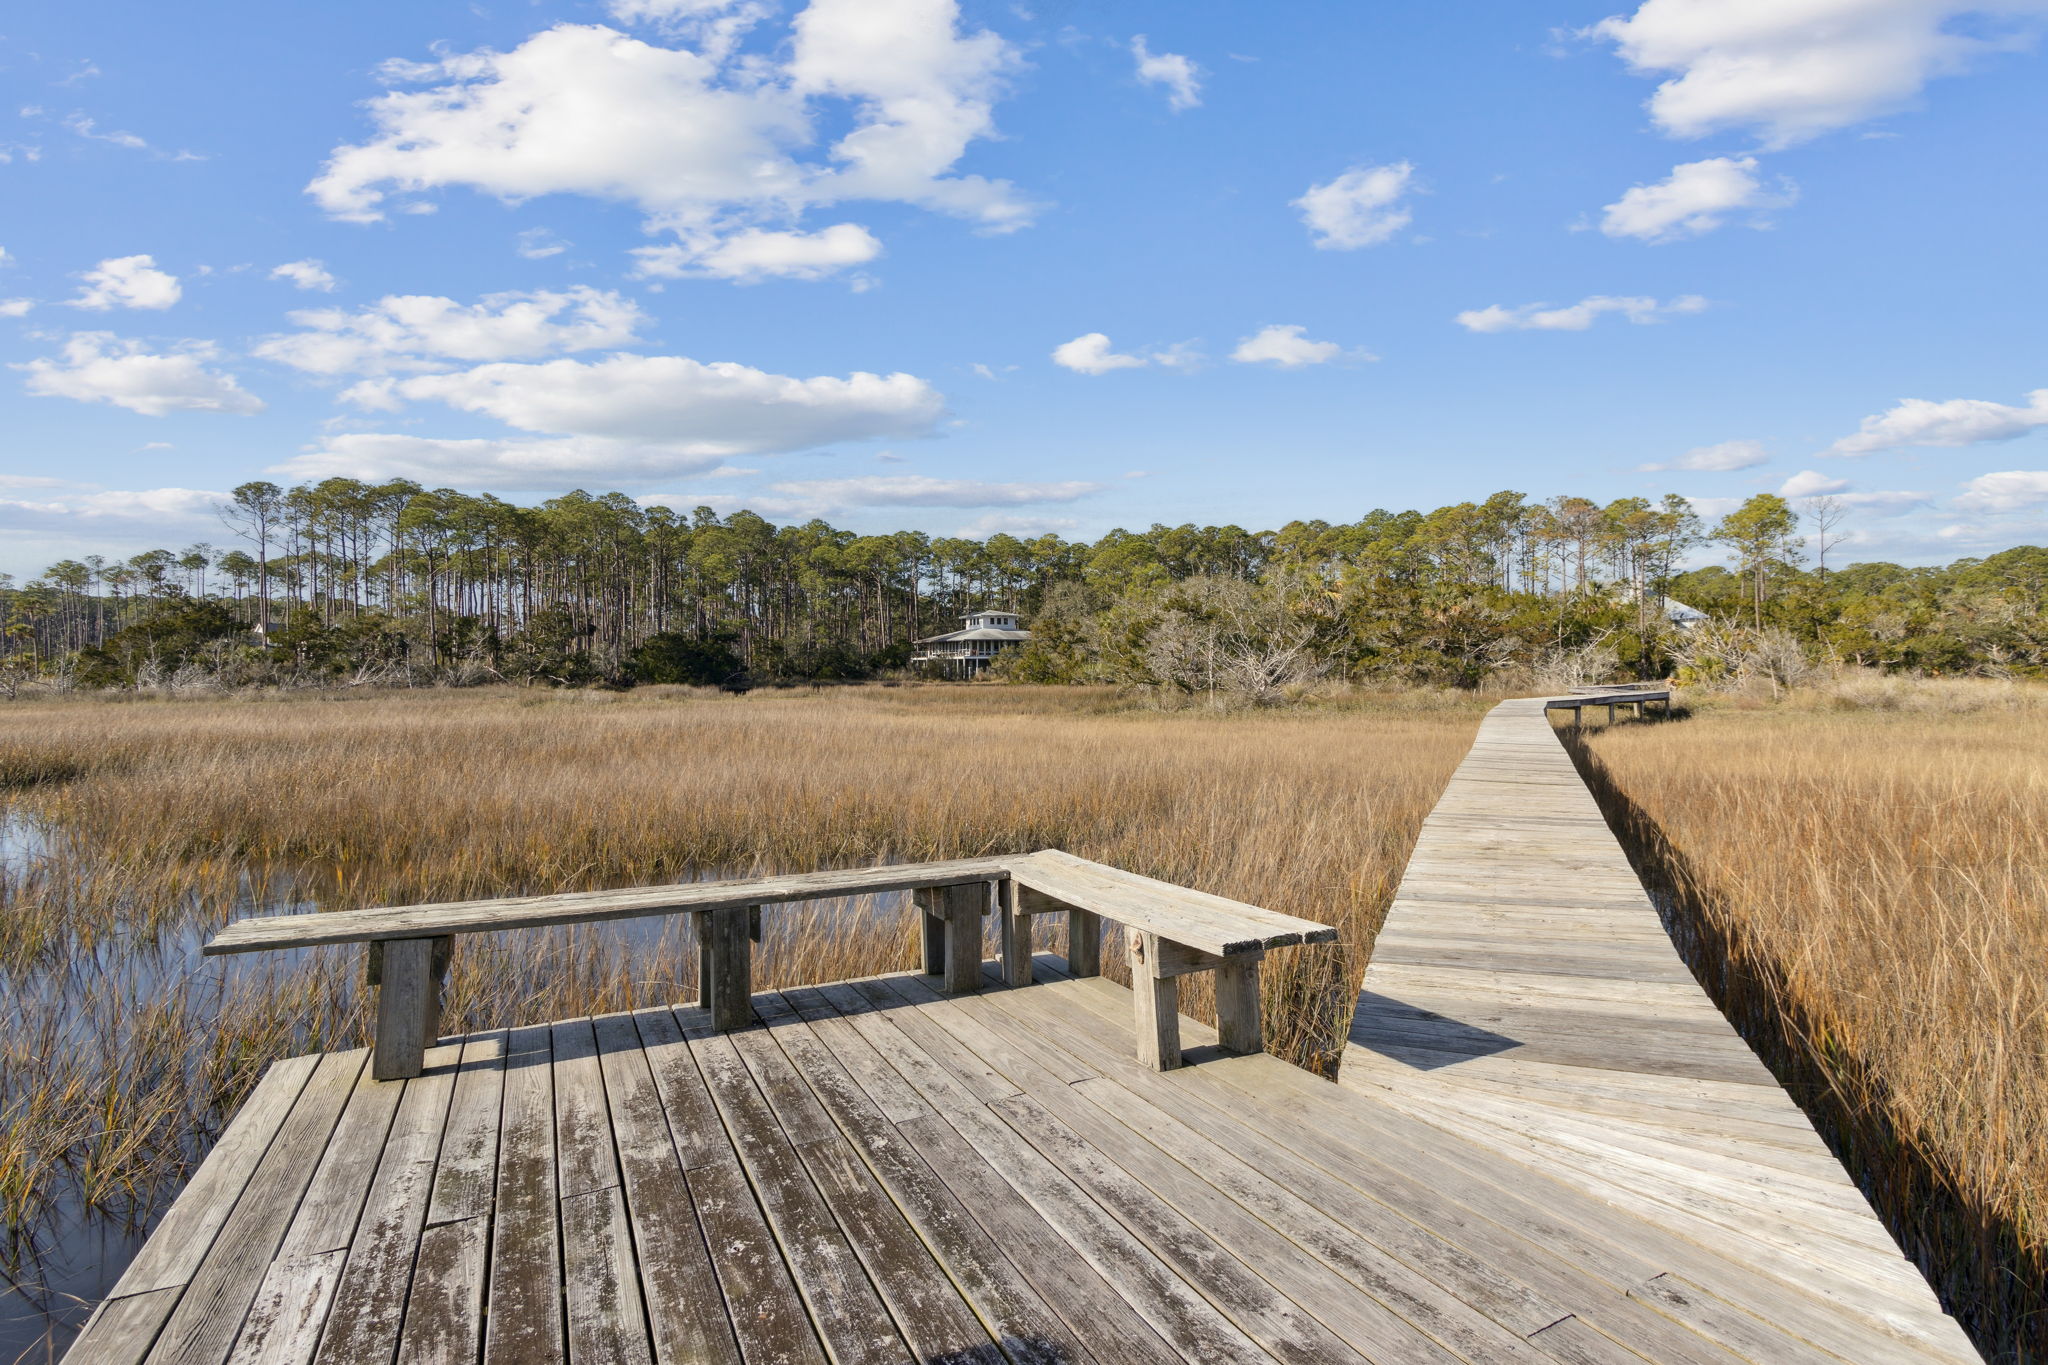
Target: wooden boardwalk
x,y
1545,1150
1524,998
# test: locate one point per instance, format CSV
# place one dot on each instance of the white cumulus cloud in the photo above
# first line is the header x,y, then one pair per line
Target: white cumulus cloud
x,y
755,254
127,282
483,462
1793,69
1181,77
16,308
308,274
1577,317
707,143
1811,483
1957,422
99,367
84,509
426,331
1090,353
1284,345
1361,207
2008,490
684,405
1722,458
1694,199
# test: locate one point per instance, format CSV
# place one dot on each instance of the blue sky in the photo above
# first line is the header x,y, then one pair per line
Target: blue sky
x,y
1052,266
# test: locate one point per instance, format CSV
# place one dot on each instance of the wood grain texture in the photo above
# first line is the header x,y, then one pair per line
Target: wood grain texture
x,y
1524,996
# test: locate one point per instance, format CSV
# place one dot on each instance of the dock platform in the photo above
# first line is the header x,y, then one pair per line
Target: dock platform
x,y
1543,1150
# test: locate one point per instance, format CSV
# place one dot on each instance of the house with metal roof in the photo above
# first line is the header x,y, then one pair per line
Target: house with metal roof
x,y
968,652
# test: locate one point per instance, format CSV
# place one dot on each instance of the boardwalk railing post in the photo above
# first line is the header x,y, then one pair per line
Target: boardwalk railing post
x,y
407,973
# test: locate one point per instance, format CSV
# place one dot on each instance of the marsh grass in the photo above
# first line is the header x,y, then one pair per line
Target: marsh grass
x,y
1863,879
143,826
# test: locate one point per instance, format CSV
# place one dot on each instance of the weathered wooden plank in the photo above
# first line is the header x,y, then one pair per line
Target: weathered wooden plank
x,y
1524,1270
600,1286
585,907
1185,1320
185,1234
333,1203
849,1314
686,1313
467,1175
1274,1291
369,1303
922,1299
444,1310
1742,1332
121,1331
1003,1299
585,1156
523,1321
290,1308
210,1314
768,1315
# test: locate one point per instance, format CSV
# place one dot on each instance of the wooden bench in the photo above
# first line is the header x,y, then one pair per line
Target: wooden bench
x,y
1173,931
1623,694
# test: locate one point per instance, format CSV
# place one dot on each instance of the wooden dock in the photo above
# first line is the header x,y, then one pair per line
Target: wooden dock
x,y
1525,997
1557,1155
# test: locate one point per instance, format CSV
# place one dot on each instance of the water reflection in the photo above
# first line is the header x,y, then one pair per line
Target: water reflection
x,y
108,1002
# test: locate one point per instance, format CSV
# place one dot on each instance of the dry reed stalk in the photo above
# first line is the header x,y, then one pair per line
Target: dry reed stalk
x,y
1869,896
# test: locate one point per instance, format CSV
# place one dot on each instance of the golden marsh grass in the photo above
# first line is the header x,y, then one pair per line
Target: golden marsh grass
x,y
148,824
1869,894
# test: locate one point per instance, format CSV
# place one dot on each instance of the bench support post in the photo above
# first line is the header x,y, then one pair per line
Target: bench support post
x,y
1084,942
933,922
1157,999
1017,909
963,907
407,973
1237,1005
729,950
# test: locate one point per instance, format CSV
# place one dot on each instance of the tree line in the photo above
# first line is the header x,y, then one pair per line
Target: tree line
x,y
344,580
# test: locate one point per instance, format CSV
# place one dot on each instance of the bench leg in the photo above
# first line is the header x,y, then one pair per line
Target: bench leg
x,y
1237,1007
963,909
927,899
732,969
1017,965
1158,1005
1084,942
408,1006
